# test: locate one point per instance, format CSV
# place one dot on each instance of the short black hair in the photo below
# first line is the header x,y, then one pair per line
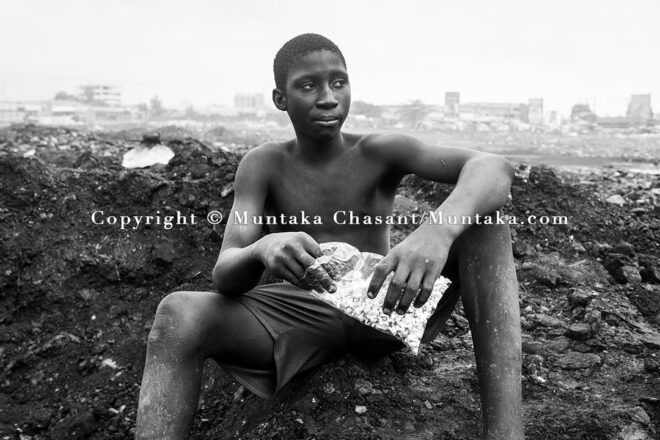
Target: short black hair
x,y
296,48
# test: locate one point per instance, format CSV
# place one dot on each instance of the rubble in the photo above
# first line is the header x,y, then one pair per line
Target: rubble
x,y
80,294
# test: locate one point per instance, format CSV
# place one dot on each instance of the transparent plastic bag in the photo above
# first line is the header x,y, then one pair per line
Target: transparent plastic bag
x,y
352,270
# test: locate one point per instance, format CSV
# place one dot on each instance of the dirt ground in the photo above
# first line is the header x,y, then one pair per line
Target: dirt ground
x,y
77,301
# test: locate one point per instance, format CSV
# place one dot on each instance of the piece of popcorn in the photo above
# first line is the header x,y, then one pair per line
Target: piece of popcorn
x,y
352,271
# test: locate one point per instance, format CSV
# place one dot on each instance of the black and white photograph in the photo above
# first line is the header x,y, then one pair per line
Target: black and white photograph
x,y
336,220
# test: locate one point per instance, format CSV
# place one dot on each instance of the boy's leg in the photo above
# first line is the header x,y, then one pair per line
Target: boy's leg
x,y
489,290
190,327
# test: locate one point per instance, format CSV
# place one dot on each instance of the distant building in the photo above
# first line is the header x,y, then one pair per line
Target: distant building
x,y
249,101
491,111
639,109
68,112
101,93
15,111
535,113
452,101
582,112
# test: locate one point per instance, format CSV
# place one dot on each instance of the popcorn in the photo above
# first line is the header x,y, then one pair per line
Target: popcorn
x,y
352,271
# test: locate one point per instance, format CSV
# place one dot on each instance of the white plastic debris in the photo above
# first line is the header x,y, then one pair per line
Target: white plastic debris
x,y
352,271
616,200
109,363
145,156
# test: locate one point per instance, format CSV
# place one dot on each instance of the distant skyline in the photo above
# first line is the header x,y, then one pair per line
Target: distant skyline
x,y
203,52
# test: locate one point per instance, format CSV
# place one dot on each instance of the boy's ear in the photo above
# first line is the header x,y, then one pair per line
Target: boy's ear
x,y
279,100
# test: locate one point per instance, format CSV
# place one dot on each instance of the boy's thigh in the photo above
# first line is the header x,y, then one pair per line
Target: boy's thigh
x,y
230,332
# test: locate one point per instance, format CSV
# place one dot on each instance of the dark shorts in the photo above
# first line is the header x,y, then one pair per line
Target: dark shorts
x,y
307,332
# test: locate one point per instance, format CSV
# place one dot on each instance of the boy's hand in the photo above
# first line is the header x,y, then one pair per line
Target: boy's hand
x,y
417,262
292,256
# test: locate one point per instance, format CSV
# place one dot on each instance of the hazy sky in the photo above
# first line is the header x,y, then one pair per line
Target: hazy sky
x,y
202,52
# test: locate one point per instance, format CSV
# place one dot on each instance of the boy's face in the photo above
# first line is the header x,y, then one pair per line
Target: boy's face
x,y
318,95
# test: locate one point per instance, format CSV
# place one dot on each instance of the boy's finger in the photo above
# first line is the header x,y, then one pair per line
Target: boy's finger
x,y
394,291
427,289
412,287
295,267
320,278
287,275
311,246
328,284
378,278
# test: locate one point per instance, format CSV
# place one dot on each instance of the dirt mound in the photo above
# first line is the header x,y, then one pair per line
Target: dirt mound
x,y
79,293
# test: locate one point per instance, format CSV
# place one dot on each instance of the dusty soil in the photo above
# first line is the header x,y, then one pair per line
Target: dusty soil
x,y
77,300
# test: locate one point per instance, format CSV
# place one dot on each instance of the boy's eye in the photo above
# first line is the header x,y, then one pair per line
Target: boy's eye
x,y
339,83
307,86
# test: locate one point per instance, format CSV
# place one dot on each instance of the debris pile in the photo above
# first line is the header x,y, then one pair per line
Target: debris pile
x,y
79,294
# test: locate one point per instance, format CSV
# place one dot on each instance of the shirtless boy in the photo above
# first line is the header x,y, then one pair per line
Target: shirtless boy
x,y
264,335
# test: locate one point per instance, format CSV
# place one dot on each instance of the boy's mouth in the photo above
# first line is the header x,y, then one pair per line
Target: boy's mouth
x,y
327,121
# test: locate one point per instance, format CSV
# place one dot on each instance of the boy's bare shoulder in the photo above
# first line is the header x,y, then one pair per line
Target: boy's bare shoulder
x,y
388,146
264,156
267,151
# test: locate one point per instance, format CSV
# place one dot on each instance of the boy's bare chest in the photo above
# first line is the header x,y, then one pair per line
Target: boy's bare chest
x,y
354,186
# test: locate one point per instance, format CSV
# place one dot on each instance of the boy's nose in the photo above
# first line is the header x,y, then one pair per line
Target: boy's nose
x,y
327,98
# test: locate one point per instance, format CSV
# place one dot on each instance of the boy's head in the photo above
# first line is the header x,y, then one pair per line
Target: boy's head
x,y
312,86
297,47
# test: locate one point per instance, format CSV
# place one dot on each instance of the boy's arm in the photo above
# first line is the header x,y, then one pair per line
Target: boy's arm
x,y
244,256
482,183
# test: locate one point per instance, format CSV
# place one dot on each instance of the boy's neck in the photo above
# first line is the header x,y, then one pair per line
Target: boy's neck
x,y
316,151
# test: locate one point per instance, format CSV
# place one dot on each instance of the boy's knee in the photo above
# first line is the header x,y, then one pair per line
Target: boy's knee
x,y
178,320
491,239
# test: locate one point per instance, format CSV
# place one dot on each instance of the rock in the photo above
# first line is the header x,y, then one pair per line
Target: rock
x,y
616,200
650,271
582,348
623,247
651,365
583,272
328,388
364,387
622,269
634,431
631,274
637,414
88,294
544,275
593,317
552,270
650,274
164,252
522,249
647,301
200,171
360,409
559,345
534,359
577,247
546,321
40,418
75,427
651,340
580,331
578,361
580,297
